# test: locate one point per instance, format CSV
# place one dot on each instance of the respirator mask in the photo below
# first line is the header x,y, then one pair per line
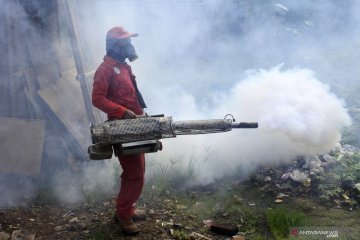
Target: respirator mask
x,y
120,49
130,52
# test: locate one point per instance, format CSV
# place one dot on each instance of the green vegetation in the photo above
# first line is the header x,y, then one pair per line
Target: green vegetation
x,y
350,168
280,220
343,175
179,234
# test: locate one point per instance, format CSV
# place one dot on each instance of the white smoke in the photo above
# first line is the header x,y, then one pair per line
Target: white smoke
x,y
96,180
292,103
297,114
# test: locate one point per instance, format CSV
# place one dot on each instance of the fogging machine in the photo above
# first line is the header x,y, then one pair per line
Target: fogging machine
x,y
142,134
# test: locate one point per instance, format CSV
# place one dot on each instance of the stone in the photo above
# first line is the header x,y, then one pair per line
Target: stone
x,y
75,219
4,236
59,228
198,236
282,195
22,235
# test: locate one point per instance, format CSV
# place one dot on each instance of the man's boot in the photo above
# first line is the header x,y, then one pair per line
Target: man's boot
x,y
139,215
128,227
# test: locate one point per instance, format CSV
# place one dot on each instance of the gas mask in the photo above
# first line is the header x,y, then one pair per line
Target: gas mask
x,y
130,52
120,49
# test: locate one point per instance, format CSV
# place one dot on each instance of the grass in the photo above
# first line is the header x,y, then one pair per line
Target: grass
x,y
167,177
172,175
90,196
281,219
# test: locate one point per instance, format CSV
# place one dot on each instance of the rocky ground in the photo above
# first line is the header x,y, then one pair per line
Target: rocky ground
x,y
316,191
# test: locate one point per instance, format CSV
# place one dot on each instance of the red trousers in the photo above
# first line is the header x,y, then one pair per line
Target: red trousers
x,y
132,182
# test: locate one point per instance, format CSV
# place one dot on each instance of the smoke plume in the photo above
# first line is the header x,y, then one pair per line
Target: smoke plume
x,y
297,115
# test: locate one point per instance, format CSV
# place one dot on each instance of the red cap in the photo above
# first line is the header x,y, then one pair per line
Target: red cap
x,y
119,32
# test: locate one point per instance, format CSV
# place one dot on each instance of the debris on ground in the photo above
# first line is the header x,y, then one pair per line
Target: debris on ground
x,y
235,207
224,229
334,177
198,236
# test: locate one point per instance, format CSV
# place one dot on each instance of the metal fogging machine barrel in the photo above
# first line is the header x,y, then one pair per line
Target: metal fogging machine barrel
x,y
141,135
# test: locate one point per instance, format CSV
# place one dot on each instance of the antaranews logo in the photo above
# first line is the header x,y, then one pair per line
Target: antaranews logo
x,y
299,233
294,232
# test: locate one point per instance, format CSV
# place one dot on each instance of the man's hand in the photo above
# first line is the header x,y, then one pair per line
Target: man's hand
x,y
129,114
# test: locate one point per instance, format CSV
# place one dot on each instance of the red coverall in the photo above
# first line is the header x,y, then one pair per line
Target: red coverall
x,y
114,93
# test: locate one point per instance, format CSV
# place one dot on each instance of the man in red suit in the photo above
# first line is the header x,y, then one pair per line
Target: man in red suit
x,y
115,92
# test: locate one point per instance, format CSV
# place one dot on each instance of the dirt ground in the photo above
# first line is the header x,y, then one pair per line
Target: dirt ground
x,y
181,215
96,222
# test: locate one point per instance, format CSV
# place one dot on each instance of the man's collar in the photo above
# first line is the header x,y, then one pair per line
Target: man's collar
x,y
113,61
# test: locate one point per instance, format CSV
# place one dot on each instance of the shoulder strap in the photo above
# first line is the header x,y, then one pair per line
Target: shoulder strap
x,y
133,80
